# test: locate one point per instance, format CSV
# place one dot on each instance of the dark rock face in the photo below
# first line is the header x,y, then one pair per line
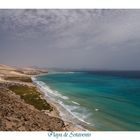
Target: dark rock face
x,y
15,115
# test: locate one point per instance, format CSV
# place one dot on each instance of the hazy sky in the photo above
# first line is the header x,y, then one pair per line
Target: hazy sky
x,y
97,39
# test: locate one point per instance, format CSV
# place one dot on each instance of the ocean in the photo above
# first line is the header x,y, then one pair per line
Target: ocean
x,y
101,100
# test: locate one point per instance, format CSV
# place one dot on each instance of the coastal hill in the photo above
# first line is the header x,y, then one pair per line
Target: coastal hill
x,y
16,71
22,107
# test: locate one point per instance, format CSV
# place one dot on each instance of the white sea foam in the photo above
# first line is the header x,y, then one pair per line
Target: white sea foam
x,y
71,72
33,78
96,109
75,102
70,108
47,90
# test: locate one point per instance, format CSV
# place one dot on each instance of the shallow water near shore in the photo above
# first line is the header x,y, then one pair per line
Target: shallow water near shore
x,y
100,100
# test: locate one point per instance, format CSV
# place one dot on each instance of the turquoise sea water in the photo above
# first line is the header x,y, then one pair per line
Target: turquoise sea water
x,y
105,100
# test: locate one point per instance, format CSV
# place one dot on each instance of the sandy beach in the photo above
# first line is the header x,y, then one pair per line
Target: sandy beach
x,y
14,81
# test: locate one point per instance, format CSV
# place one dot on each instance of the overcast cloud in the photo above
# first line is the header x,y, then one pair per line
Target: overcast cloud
x,y
95,39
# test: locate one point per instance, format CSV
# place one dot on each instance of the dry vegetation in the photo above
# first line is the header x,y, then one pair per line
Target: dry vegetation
x,y
22,79
31,96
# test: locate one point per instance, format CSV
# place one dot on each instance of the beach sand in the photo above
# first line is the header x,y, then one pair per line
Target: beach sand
x,y
12,77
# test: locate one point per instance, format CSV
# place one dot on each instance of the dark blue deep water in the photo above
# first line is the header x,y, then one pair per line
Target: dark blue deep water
x,y
106,100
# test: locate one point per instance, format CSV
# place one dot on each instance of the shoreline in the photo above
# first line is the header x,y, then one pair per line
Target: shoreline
x,y
20,83
60,111
57,110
